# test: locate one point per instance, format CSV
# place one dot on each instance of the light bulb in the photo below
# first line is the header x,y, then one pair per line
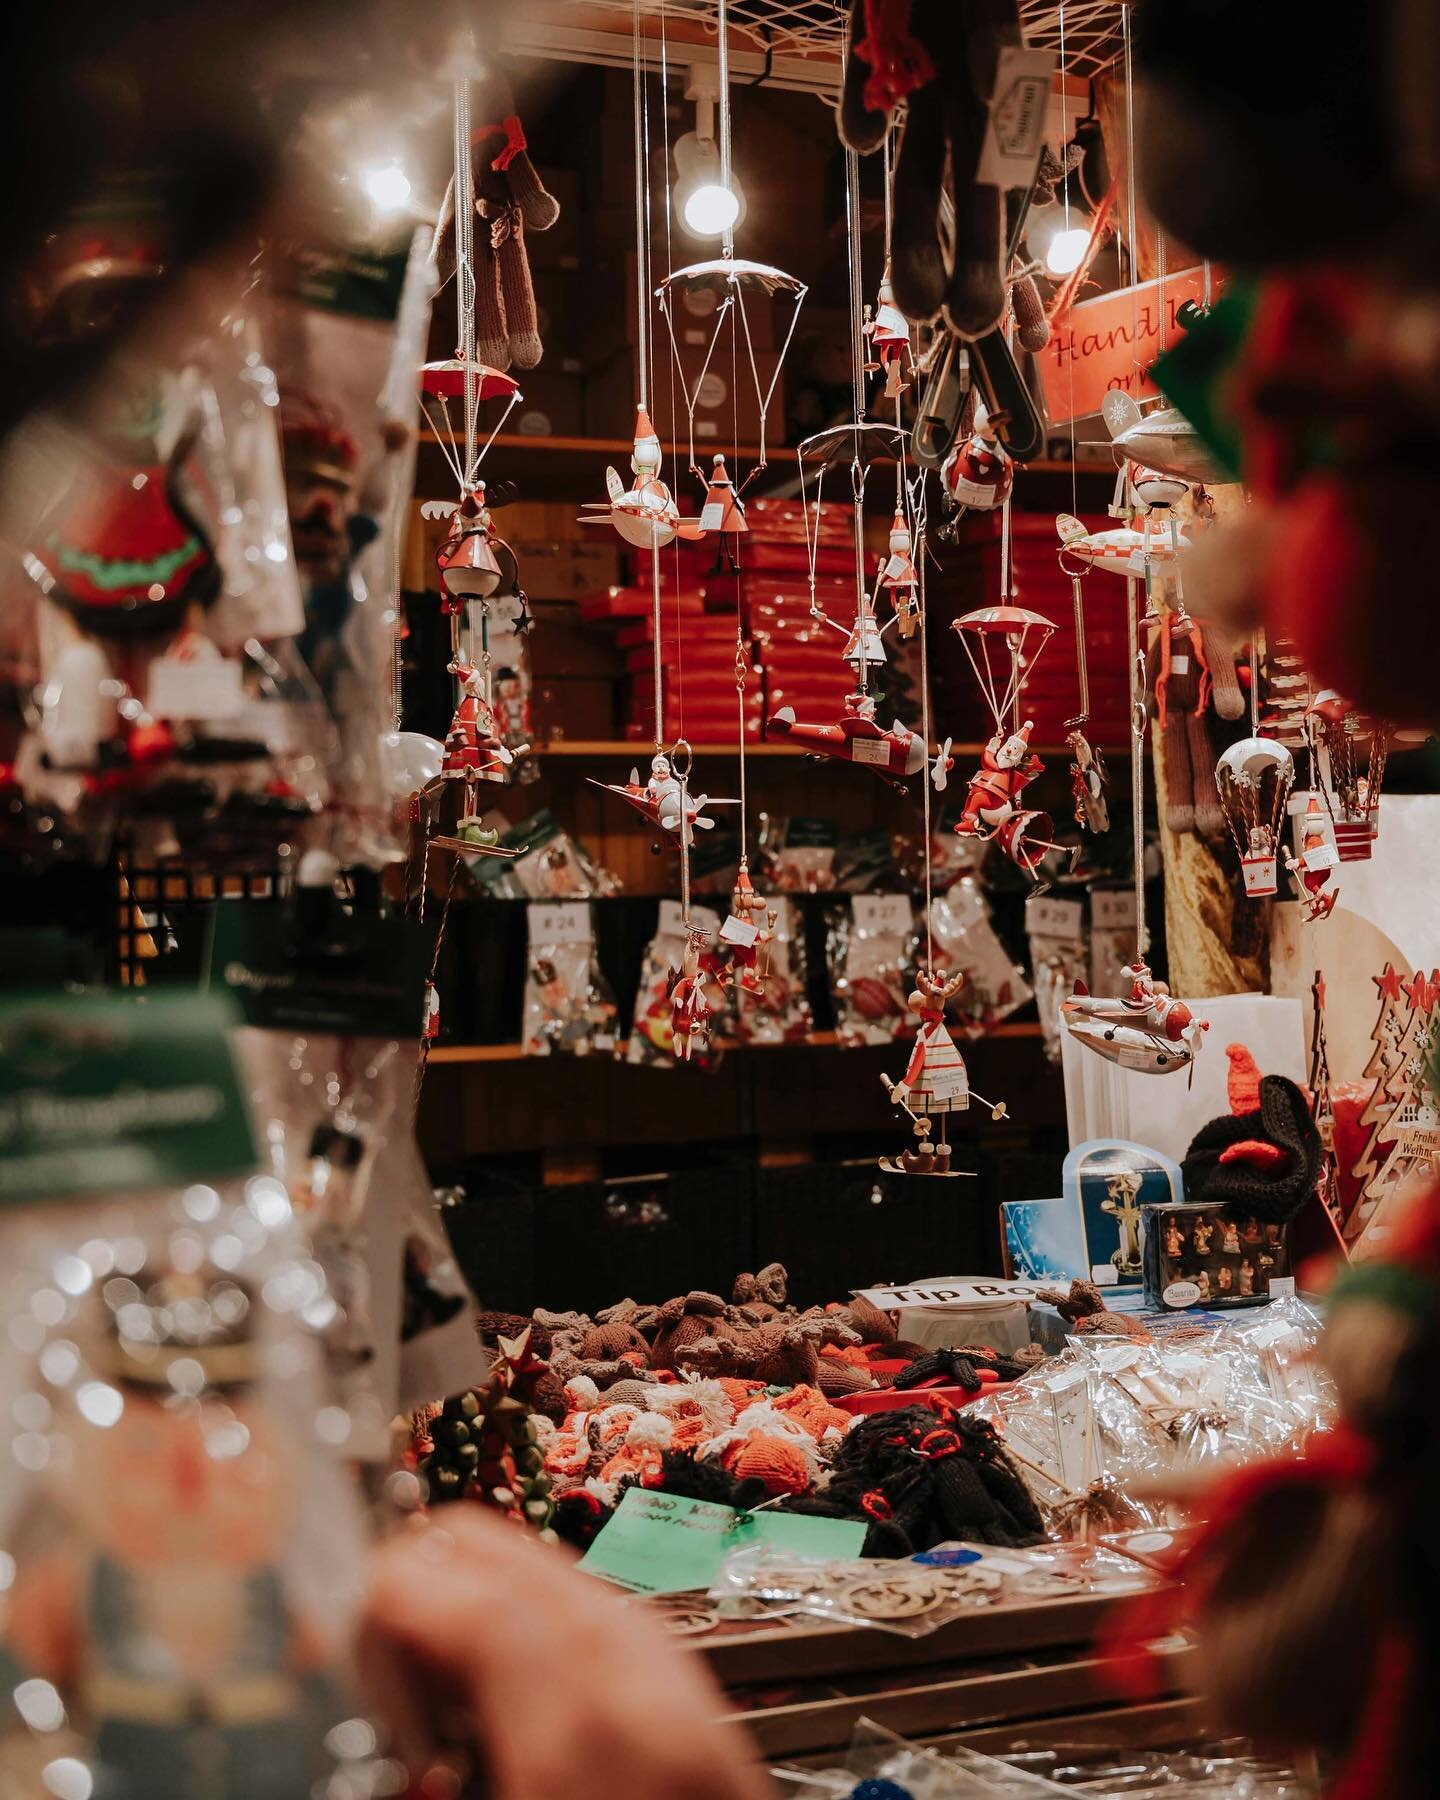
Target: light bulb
x,y
388,187
711,209
1066,250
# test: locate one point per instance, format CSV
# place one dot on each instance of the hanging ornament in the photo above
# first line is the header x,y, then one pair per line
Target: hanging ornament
x,y
663,801
1161,439
935,1083
978,474
856,737
1146,1030
898,577
644,514
1122,550
1087,765
887,333
1003,644
1315,864
1351,772
1254,778
723,514
1322,1102
695,997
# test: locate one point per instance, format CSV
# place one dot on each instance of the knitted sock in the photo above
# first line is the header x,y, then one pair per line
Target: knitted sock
x,y
1179,785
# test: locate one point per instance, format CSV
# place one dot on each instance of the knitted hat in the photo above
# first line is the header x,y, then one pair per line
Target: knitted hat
x,y
778,1463
1242,1084
1259,1164
631,1392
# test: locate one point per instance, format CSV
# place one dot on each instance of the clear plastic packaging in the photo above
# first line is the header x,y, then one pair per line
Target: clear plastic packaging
x,y
569,1008
909,1598
878,1756
651,1034
964,940
780,1013
872,944
1055,929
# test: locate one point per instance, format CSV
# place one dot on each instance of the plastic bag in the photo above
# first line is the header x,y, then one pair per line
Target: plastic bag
x,y
569,1008
904,1596
651,1035
1055,929
872,945
964,940
780,1013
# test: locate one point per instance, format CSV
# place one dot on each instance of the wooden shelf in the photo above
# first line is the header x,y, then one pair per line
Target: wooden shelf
x,y
815,1040
601,749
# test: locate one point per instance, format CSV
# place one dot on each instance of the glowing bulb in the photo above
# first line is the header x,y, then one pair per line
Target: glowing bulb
x,y
388,187
711,209
1067,250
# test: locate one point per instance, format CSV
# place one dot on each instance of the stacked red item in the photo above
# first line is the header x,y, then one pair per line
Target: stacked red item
x,y
697,655
801,655
971,579
776,537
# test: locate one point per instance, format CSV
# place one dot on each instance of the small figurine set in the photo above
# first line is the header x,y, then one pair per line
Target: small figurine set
x,y
1204,1256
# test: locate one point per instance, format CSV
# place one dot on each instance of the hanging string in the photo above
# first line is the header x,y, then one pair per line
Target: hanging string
x,y
741,671
642,295
727,240
1138,723
1065,200
674,415
919,510
465,264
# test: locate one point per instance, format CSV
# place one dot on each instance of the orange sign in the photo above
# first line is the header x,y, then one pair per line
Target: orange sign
x,y
1110,342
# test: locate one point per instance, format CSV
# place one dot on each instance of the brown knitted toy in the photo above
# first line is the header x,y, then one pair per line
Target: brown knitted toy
x,y
614,1340
836,1378
1083,1299
490,1327
509,199
684,1321
717,1357
873,1326
770,1286
785,1356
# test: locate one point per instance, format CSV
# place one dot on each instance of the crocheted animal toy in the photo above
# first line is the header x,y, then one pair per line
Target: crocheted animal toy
x,y
510,199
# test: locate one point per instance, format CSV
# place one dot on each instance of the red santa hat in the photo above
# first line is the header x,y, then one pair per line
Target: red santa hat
x,y
646,436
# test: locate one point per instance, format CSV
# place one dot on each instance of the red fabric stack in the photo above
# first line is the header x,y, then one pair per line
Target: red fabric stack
x,y
971,578
799,653
698,657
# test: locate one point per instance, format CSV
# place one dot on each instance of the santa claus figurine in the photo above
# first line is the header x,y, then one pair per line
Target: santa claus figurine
x,y
1007,767
1155,1007
1312,868
723,512
887,332
747,940
474,750
691,1001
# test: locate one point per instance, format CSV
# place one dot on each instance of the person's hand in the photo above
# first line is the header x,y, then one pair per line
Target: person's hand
x,y
496,1662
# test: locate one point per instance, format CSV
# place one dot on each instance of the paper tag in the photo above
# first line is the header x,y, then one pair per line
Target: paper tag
x,y
712,516
1111,909
1104,1274
1180,665
888,913
944,1084
657,1543
560,922
739,931
897,567
869,750
1323,856
1046,916
1181,1293
207,689
973,493
1071,1401
1016,124
660,1544
1282,1287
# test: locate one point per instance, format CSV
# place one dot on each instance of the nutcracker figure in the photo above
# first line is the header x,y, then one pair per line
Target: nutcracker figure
x,y
887,334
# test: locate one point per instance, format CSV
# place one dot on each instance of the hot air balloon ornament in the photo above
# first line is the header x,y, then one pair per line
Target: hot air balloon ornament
x,y
1254,778
1003,644
1351,771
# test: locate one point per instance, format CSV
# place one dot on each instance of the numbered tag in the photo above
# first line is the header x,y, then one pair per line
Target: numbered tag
x,y
712,516
882,913
869,750
739,931
560,922
974,493
1323,856
944,1084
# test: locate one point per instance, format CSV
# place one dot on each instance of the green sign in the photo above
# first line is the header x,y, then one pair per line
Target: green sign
x,y
114,1095
659,1543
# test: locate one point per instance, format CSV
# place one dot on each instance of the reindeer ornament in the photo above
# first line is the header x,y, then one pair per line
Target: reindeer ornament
x,y
935,1080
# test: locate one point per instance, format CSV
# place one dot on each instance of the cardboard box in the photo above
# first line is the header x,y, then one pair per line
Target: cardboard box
x,y
552,404
551,569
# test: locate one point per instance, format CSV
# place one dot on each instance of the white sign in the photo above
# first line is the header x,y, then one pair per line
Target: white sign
x,y
883,913
972,1291
560,922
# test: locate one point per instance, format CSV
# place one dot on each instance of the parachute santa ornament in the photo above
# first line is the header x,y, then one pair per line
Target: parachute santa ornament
x,y
1003,644
1254,778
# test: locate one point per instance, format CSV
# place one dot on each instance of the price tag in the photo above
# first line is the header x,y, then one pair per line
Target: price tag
x,y
870,750
1046,916
1180,665
974,493
1112,909
739,931
1016,123
888,913
207,689
1323,856
944,1084
560,922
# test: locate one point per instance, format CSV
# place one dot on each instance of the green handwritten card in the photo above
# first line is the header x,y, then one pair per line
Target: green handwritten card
x,y
659,1543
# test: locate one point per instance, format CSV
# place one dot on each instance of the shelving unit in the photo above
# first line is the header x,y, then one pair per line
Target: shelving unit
x,y
813,1040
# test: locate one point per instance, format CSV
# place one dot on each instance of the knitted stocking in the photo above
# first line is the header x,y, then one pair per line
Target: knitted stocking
x,y
518,292
1032,328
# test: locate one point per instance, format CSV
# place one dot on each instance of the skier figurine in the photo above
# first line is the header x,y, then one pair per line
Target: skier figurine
x,y
1007,767
898,577
747,940
935,1077
1313,867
